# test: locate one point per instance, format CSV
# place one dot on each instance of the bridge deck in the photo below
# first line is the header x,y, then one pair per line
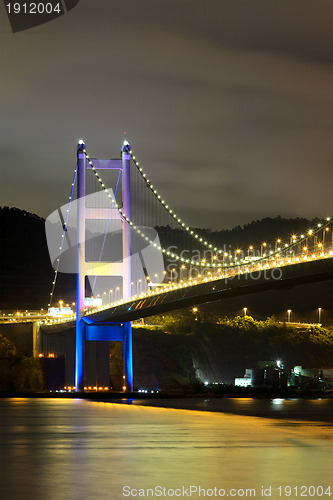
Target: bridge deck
x,y
210,291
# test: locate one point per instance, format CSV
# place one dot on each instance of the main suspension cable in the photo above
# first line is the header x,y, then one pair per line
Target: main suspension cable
x,y
133,225
164,250
62,239
178,220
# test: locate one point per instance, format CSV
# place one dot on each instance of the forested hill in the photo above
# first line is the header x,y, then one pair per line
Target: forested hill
x,y
26,273
254,233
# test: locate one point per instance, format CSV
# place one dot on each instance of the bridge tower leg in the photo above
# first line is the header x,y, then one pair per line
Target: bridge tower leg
x,y
127,335
80,268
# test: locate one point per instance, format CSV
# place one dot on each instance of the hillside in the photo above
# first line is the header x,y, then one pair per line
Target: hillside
x,y
18,373
180,350
254,233
26,273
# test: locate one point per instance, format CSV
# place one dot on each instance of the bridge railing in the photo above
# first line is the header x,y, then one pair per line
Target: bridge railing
x,y
270,262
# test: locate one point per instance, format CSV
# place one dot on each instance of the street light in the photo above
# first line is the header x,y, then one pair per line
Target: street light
x,y
324,235
293,239
289,312
245,311
277,244
237,252
263,245
214,264
308,234
319,314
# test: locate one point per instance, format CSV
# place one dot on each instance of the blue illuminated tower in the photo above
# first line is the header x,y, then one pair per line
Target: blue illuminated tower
x,y
80,267
102,332
126,195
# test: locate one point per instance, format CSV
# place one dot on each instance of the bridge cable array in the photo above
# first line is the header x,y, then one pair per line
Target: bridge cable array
x,y
182,224
62,238
136,227
179,221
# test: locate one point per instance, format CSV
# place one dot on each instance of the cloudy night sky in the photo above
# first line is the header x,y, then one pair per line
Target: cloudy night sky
x,y
227,104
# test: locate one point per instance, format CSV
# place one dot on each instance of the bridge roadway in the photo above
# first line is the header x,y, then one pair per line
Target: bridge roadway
x,y
278,278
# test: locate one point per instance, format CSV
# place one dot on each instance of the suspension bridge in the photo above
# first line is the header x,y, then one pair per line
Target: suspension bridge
x,y
115,234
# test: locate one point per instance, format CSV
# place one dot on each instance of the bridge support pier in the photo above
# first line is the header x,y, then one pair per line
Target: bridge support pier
x,y
127,356
115,332
79,355
36,347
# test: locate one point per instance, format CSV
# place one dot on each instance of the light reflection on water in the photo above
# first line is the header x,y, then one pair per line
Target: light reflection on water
x,y
69,449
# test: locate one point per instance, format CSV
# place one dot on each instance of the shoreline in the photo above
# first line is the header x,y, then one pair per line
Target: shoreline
x,y
315,409
246,393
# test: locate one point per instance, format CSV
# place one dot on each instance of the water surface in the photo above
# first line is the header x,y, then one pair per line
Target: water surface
x,y
77,449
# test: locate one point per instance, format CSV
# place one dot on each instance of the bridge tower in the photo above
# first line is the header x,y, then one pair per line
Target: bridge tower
x,y
86,331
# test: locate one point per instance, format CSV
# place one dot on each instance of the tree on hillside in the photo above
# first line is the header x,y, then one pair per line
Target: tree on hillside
x,y
18,373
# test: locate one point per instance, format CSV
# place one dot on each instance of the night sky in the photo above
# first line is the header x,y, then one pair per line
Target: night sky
x,y
227,104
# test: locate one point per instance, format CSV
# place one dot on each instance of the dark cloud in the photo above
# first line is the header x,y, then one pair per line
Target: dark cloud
x,y
229,103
